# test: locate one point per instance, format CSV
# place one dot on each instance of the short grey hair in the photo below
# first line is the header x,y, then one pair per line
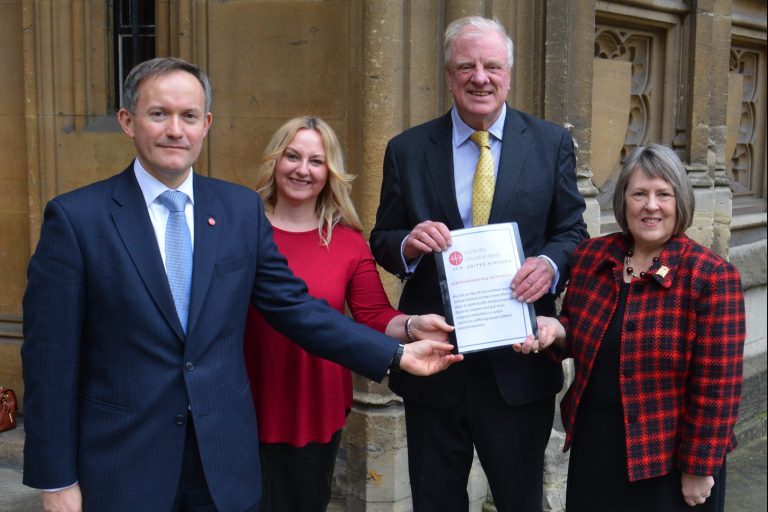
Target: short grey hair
x,y
478,26
656,161
157,67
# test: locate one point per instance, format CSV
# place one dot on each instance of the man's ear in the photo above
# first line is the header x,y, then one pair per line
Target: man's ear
x,y
208,122
125,119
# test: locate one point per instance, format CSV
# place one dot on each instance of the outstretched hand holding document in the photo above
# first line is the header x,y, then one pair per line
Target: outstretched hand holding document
x,y
475,275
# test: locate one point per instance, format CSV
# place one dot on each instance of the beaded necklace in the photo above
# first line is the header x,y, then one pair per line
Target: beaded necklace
x,y
631,271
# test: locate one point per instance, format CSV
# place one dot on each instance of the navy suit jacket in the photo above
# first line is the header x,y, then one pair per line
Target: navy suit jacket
x,y
109,374
535,187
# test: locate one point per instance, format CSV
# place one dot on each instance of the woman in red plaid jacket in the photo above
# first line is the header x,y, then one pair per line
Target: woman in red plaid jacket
x,y
655,324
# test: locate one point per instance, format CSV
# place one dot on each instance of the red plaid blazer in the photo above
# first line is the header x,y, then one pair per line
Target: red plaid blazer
x,y
682,344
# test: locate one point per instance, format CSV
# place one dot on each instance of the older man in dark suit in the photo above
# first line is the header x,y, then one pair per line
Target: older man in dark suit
x,y
137,397
482,162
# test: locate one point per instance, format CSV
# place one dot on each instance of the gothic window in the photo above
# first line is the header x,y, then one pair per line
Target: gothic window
x,y
746,161
627,112
633,47
133,38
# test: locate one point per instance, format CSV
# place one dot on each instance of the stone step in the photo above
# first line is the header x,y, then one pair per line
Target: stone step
x,y
747,480
10,355
12,446
15,496
752,410
746,487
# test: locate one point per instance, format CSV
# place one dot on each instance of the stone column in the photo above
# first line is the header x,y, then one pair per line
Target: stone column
x,y
702,146
569,33
377,471
568,75
723,198
711,23
383,94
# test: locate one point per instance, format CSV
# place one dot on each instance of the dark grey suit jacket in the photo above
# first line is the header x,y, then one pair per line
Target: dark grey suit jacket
x,y
535,187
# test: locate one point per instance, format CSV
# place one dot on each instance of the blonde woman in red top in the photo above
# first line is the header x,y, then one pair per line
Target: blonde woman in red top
x,y
655,325
302,400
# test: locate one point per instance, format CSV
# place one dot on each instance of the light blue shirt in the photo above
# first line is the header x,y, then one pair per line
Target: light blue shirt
x,y
465,156
151,188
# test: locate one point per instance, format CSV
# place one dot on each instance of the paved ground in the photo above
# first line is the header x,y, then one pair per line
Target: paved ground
x,y
747,478
15,497
747,483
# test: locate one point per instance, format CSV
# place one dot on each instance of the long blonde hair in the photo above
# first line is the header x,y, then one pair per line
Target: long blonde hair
x,y
334,204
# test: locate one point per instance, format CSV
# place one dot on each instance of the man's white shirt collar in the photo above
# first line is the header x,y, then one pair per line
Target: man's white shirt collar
x,y
151,187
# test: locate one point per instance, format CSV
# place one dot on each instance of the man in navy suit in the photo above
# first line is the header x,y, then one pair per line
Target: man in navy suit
x,y
128,406
497,402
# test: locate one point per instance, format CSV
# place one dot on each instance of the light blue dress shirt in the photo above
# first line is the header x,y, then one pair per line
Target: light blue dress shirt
x,y
151,188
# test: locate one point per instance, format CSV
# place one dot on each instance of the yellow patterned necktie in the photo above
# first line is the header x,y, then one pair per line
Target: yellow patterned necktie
x,y
484,181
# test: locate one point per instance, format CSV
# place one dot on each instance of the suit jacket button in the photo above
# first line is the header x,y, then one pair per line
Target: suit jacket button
x,y
189,366
179,419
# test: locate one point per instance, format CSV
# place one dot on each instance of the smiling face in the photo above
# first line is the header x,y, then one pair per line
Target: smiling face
x,y
651,210
302,172
478,77
168,126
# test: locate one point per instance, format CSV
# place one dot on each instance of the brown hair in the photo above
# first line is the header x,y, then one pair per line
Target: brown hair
x,y
656,161
157,67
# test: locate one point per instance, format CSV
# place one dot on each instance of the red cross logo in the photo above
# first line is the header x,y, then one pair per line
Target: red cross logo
x,y
455,258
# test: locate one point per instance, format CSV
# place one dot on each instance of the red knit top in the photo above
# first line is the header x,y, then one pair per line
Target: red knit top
x,y
301,398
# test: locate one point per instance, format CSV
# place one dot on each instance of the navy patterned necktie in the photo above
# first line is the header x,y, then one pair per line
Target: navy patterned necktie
x,y
178,252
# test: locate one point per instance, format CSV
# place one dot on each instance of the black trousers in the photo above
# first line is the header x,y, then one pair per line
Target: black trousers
x,y
192,494
510,443
297,479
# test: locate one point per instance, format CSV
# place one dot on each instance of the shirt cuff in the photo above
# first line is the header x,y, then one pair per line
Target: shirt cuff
x,y
410,268
556,279
59,488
